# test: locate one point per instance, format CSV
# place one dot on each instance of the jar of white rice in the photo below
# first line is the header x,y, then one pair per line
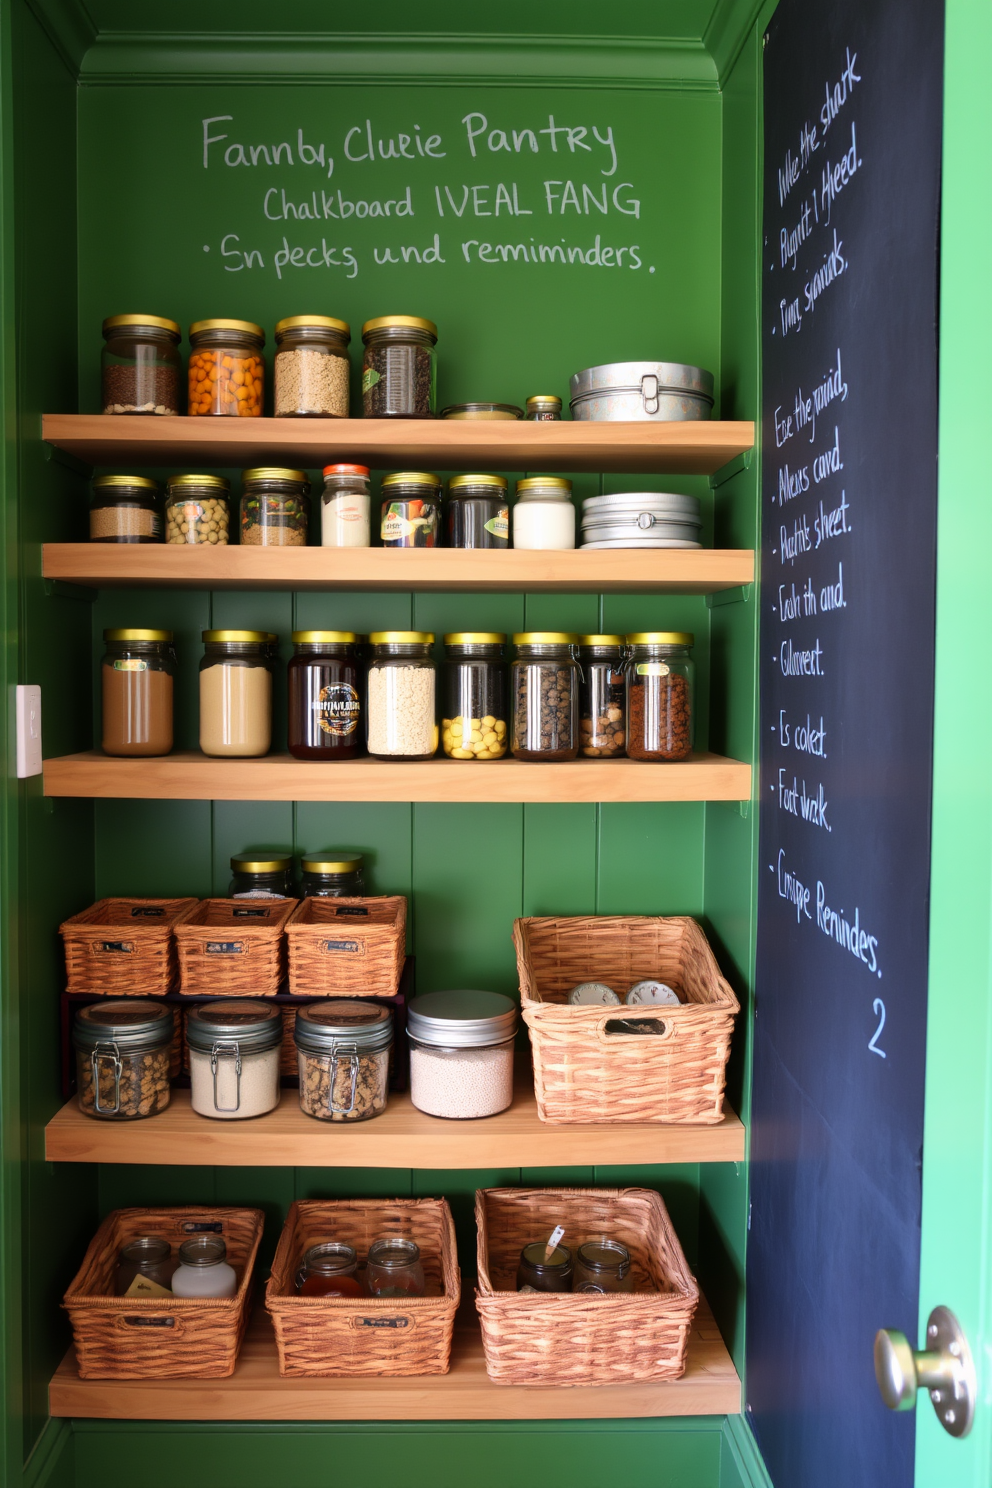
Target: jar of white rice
x,y
461,1053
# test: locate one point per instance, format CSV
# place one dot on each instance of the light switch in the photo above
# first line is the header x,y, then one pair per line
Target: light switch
x,y
28,731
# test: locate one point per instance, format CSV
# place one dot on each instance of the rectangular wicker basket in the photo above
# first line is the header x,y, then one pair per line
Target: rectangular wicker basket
x,y
161,1337
123,947
347,947
371,1336
233,947
585,1068
571,1338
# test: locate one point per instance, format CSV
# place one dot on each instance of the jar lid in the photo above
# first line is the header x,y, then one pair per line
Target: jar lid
x,y
545,638
113,321
410,478
132,1023
330,1257
505,412
554,485
257,863
410,322
322,1026
274,472
319,323
605,1255
661,638
247,327
333,863
462,1019
475,638
121,482
544,400
213,482
138,635
203,1250
328,637
252,1024
346,470
600,640
146,1250
498,482
242,637
402,637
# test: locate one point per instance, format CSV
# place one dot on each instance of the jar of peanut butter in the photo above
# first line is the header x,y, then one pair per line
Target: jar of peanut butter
x,y
137,682
236,693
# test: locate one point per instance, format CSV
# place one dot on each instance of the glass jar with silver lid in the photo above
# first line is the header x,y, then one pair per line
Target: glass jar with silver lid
x,y
123,1056
461,1053
234,1047
343,1048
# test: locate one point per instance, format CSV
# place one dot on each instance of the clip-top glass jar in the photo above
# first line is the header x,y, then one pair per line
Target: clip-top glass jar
x,y
123,1052
411,509
343,1050
660,695
395,1268
346,507
461,1053
543,408
140,367
197,509
236,693
136,682
226,373
275,508
474,725
545,691
543,515
601,728
540,1272
478,512
401,708
234,1049
602,1266
261,875
399,369
124,509
324,699
328,1270
332,875
311,367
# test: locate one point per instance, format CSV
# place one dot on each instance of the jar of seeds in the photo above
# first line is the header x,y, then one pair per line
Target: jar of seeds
x,y
124,509
123,1052
140,367
197,509
343,1048
475,719
275,508
399,371
401,709
311,367
660,686
601,710
544,686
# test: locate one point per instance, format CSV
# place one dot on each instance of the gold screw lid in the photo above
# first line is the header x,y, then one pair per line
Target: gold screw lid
x,y
339,863
319,323
600,640
122,482
402,637
255,863
545,638
244,327
172,326
410,322
315,637
273,472
138,635
241,637
212,482
545,482
544,400
661,638
410,478
496,481
475,638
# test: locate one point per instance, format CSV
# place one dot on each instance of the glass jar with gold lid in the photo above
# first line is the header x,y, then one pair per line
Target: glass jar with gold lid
x,y
545,692
474,701
411,509
478,512
661,679
197,509
275,507
140,367
401,695
399,369
125,509
136,684
311,370
325,696
226,374
236,694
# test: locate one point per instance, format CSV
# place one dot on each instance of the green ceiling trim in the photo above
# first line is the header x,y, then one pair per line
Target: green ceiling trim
x,y
727,30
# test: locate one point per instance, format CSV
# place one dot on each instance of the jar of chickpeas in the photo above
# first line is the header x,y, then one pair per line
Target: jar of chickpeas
x,y
197,509
226,371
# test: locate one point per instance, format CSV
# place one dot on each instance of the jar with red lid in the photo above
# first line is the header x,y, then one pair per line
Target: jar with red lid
x,y
345,507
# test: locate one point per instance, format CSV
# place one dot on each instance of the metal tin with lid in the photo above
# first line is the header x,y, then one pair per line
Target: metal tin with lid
x,y
659,392
492,412
327,1027
641,519
462,1019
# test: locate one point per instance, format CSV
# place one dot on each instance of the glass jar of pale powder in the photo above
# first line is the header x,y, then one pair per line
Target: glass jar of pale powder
x,y
461,1053
236,694
234,1058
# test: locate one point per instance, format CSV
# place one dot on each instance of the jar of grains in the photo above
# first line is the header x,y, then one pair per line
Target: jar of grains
x,y
197,509
140,368
332,875
124,509
346,507
324,704
411,509
236,694
123,1052
660,687
234,1050
311,370
474,725
545,689
226,373
275,508
543,516
461,1053
399,369
478,512
136,682
401,709
343,1048
543,408
602,1266
541,1271
261,875
601,708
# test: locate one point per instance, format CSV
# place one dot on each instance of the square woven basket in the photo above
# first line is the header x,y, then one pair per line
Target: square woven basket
x,y
233,947
347,947
161,1337
570,1338
371,1336
123,947
585,1068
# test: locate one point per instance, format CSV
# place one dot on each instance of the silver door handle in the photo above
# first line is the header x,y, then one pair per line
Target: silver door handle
x,y
945,1368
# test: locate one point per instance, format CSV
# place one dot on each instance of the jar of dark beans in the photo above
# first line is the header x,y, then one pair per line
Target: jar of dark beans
x,y
601,730
261,875
411,509
140,369
324,700
478,512
545,691
540,1272
543,408
474,699
660,686
399,371
332,875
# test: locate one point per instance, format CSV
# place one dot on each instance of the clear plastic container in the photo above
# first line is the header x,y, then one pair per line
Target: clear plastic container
x,y
411,510
399,369
343,1052
234,1049
475,713
660,695
543,515
275,508
236,694
346,507
123,1057
125,509
140,367
545,692
198,509
311,371
226,374
602,701
401,687
137,682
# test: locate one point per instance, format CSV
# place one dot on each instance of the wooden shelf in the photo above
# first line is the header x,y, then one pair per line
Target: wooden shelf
x,y
189,775
694,448
402,1137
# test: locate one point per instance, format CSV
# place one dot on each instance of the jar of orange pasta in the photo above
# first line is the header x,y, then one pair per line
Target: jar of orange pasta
x,y
226,371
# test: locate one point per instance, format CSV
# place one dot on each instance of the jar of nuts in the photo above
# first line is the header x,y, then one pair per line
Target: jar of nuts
x,y
343,1048
311,367
660,685
226,373
197,509
123,1051
474,725
601,708
545,690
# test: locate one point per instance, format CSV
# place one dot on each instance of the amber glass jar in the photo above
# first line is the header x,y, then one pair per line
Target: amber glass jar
x,y
136,678
324,700
226,373
140,369
539,1272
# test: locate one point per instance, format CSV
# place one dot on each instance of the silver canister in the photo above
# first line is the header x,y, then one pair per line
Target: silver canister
x,y
641,519
660,392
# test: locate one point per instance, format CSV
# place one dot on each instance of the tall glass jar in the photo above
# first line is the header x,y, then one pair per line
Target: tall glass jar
x,y
332,875
411,509
395,1268
601,710
401,706
660,695
545,691
311,367
543,515
474,698
136,682
123,1052
140,367
543,408
343,1048
602,1266
261,875
324,699
198,509
226,374
124,509
399,369
235,694
478,512
234,1057
346,507
275,508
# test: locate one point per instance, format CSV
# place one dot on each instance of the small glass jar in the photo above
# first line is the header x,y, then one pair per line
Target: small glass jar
x,y
311,370
602,1266
346,507
401,707
236,694
499,413
333,876
543,515
461,1053
203,1269
411,510
275,508
234,1048
399,369
124,509
545,691
140,367
395,1268
198,509
329,1270
261,876
539,1272
137,684
325,714
123,1054
478,512
474,724
145,1267
601,708
226,374
543,408
660,695
343,1053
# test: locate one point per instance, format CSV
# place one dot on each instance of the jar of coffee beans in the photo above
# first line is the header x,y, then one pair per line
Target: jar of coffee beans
x,y
660,685
601,728
198,509
123,1050
140,368
545,690
399,370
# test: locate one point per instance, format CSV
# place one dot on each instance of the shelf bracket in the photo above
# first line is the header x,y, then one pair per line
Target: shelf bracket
x,y
733,467
59,589
740,595
69,462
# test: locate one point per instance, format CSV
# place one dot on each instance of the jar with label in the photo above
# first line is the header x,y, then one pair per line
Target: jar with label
x,y
478,512
543,408
343,1051
345,507
544,687
332,876
275,508
234,1048
226,374
411,509
203,1269
540,1272
543,516
395,1268
140,367
401,707
123,1054
324,700
136,683
474,725
602,1266
660,688
261,876
461,1053
197,509
311,370
601,730
125,509
399,369
236,694
145,1268
329,1270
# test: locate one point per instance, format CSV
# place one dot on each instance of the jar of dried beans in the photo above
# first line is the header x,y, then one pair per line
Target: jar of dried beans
x,y
401,708
475,719
275,508
601,730
461,1053
140,368
311,367
137,682
123,1051
324,700
197,509
545,690
399,370
234,1057
660,686
226,373
343,1048
124,509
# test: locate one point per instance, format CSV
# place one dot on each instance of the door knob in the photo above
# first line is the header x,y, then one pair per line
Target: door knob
x,y
945,1368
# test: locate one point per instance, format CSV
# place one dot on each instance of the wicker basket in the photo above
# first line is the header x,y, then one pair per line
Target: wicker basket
x,y
161,1337
233,948
123,947
571,1338
371,1336
584,1072
347,947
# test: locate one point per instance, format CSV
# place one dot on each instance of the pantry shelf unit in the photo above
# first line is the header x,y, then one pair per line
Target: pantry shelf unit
x,y
189,775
